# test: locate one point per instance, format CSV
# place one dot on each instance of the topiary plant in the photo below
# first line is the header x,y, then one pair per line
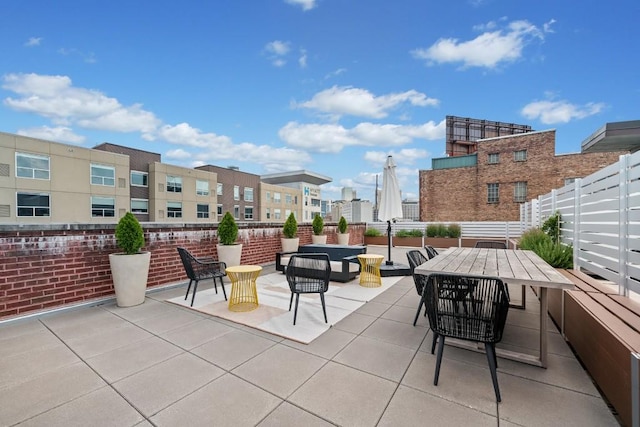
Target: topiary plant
x,y
342,225
227,230
290,228
318,225
129,234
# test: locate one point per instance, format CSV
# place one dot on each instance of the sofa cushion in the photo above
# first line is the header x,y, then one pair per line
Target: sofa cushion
x,y
335,265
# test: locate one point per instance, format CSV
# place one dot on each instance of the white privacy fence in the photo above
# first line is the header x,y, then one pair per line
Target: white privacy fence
x,y
495,229
600,217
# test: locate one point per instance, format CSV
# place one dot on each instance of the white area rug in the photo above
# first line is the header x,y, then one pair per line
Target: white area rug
x,y
273,315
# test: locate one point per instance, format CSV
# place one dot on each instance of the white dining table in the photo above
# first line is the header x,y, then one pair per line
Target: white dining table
x,y
514,267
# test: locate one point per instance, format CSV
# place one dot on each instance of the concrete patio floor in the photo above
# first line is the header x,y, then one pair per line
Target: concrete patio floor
x,y
160,364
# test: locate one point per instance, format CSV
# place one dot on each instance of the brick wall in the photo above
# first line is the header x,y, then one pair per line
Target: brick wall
x,y
460,194
42,267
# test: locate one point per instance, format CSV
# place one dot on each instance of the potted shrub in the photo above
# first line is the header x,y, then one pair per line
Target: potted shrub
x,y
343,236
290,240
229,251
318,227
129,268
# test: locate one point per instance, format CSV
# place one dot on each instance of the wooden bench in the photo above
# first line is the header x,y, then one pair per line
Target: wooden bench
x,y
604,330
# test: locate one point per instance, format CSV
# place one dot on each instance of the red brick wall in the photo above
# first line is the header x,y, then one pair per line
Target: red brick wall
x,y
49,266
460,194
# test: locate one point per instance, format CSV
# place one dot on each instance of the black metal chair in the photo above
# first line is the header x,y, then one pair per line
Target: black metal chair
x,y
496,244
416,258
200,269
431,252
484,323
308,273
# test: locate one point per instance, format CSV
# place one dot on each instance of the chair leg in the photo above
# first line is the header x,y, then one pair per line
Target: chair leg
x,y
215,285
490,349
433,342
295,311
419,308
188,287
324,310
193,297
438,361
291,301
222,285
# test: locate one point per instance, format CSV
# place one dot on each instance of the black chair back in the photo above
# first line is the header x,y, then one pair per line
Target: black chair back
x,y
491,244
431,252
308,272
188,262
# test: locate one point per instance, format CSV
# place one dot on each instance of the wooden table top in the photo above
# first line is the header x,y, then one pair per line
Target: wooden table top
x,y
517,267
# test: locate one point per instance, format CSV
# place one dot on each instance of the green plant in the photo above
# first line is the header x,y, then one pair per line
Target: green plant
x,y
532,237
129,234
552,227
454,230
438,230
290,228
342,225
227,230
372,232
318,225
432,230
409,233
557,255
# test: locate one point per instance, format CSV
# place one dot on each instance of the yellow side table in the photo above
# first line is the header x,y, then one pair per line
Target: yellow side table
x,y
370,270
244,295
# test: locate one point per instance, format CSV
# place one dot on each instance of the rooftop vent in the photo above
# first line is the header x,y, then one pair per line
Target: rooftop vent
x,y
233,168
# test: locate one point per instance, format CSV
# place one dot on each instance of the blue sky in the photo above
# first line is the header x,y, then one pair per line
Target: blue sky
x,y
330,86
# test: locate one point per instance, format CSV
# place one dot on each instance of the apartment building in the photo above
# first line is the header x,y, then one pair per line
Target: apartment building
x,y
308,183
278,202
504,172
238,192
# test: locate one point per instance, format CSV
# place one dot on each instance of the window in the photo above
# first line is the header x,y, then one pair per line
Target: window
x,y
248,212
103,206
202,188
32,166
33,204
288,199
139,179
493,193
140,206
276,214
268,196
219,189
276,197
174,184
219,212
203,211
248,194
494,158
103,175
174,209
268,213
520,192
520,155
236,192
236,212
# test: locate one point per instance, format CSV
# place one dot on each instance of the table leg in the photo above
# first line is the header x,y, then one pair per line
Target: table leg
x,y
544,306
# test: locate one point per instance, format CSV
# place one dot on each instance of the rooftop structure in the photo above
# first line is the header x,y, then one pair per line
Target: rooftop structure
x,y
614,136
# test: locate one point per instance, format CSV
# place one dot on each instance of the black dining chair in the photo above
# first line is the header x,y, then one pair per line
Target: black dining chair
x,y
431,252
200,269
497,244
484,323
416,258
308,273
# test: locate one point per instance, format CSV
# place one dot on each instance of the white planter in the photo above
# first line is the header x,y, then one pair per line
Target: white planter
x,y
343,238
130,274
230,255
290,245
319,240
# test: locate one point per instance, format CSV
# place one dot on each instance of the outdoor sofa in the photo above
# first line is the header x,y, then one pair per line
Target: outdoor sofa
x,y
343,258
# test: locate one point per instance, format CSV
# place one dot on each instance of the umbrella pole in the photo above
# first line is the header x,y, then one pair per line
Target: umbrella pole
x,y
389,262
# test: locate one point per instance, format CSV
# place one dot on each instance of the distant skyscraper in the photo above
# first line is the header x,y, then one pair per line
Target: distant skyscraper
x,y
348,193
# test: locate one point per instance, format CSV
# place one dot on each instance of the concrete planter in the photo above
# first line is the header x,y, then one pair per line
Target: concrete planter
x,y
130,274
343,238
290,245
319,240
230,255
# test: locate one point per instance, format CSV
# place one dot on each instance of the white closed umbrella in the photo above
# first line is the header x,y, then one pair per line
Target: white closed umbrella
x,y
390,200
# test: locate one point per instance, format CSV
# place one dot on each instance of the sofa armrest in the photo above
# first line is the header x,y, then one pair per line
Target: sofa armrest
x,y
279,255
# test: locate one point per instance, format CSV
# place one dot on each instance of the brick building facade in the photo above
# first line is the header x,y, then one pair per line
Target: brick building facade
x,y
508,170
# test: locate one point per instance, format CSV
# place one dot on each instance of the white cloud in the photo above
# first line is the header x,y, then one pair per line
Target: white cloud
x,y
305,4
55,98
33,41
332,138
489,50
551,112
177,154
335,73
404,156
276,51
338,101
59,134
302,61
